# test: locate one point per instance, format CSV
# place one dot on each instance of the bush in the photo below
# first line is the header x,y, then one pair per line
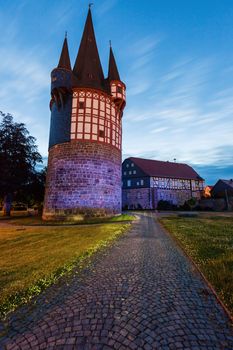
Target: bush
x,y
164,205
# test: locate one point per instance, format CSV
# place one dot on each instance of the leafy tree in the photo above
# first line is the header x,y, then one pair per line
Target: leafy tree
x,y
18,158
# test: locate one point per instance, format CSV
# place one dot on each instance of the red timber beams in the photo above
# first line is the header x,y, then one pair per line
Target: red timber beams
x,y
95,117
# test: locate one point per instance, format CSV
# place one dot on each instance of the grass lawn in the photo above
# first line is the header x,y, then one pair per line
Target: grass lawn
x,y
33,257
22,218
209,241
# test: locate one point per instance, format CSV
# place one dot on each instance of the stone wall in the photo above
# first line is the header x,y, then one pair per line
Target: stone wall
x,y
148,198
137,198
84,179
216,204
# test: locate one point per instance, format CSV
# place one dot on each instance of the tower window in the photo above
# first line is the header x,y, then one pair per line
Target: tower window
x,y
101,133
81,105
119,89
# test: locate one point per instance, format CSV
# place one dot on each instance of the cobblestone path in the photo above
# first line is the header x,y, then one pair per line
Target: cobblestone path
x,y
142,293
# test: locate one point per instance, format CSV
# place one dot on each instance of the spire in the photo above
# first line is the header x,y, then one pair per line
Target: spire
x,y
113,73
64,61
87,68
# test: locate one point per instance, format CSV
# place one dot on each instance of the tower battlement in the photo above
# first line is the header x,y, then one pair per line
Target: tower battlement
x,y
85,143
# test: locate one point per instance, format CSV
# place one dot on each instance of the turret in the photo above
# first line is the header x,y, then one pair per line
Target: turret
x,y
61,78
117,87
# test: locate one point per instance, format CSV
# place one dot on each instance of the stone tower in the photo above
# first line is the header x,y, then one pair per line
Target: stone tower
x,y
84,164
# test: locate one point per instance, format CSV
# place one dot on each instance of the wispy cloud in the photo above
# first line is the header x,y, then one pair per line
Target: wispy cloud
x,y
105,6
178,121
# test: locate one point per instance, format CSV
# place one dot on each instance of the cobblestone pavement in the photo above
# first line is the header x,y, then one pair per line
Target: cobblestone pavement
x,y
142,293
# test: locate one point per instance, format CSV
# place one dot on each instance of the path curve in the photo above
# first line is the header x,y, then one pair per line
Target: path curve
x,y
143,293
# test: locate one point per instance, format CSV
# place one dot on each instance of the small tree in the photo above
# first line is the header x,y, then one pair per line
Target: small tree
x,y
18,158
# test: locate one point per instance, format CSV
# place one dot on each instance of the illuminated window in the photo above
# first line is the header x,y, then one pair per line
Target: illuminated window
x,y
132,164
128,183
130,172
134,171
142,182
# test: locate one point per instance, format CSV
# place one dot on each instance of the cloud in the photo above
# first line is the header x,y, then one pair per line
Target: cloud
x,y
105,6
180,119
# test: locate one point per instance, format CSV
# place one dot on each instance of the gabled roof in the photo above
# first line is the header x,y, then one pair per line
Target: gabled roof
x,y
87,67
165,169
113,73
64,61
224,183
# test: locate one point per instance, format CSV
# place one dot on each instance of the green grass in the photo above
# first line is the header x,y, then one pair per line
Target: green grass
x,y
209,241
34,257
36,220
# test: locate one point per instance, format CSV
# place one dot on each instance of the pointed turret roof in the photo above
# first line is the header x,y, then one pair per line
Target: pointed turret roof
x,y
64,61
87,68
113,73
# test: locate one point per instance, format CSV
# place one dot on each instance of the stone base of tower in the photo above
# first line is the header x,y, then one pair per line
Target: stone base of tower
x,y
83,180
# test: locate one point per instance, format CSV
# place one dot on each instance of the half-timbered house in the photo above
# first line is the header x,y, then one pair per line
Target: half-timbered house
x,y
145,182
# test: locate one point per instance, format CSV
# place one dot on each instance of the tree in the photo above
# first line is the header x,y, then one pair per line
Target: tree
x,y
18,158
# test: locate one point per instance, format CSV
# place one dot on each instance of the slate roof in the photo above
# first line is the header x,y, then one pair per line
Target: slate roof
x,y
166,169
64,61
87,67
113,73
228,182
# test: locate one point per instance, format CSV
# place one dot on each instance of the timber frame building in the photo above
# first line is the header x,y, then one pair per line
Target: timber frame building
x,y
145,182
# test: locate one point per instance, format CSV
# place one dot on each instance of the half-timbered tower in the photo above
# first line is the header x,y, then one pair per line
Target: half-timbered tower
x,y
146,182
84,165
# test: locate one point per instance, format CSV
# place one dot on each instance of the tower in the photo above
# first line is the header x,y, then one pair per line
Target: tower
x,y
84,163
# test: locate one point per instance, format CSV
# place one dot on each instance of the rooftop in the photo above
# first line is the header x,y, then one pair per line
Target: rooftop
x,y
165,169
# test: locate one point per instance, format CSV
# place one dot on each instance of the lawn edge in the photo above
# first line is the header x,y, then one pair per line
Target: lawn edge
x,y
210,286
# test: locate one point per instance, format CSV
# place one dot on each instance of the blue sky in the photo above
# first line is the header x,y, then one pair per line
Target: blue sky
x,y
175,56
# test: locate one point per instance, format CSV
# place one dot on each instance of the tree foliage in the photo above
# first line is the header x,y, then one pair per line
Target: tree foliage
x,y
18,156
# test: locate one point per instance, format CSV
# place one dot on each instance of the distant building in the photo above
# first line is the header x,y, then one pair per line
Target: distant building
x,y
145,182
223,189
207,191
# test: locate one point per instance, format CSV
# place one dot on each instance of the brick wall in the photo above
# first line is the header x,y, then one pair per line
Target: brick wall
x,y
84,179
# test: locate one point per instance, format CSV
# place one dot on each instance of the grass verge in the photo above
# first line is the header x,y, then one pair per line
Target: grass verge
x,y
37,221
209,241
32,258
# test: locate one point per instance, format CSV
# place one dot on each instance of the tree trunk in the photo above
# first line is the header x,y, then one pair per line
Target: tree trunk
x,y
7,205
